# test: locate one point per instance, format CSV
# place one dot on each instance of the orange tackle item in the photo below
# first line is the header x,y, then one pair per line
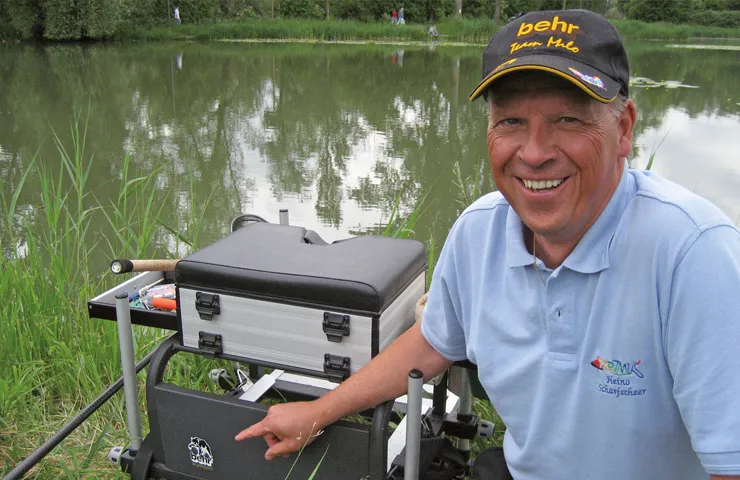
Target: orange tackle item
x,y
168,303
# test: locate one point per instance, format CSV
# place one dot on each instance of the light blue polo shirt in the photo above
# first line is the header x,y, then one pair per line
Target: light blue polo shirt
x,y
625,363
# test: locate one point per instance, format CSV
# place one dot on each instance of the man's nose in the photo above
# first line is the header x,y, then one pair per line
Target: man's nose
x,y
537,148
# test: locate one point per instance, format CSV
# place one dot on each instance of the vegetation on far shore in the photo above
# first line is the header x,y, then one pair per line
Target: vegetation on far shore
x,y
467,31
452,31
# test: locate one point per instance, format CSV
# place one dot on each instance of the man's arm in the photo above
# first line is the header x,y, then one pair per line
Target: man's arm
x,y
288,426
701,334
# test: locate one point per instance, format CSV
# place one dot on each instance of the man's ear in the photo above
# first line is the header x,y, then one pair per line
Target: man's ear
x,y
626,127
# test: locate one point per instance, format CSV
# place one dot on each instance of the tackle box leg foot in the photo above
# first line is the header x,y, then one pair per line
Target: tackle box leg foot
x,y
142,462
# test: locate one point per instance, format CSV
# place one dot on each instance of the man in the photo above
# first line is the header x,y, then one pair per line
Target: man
x,y
601,304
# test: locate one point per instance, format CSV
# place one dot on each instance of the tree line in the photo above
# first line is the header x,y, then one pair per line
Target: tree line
x,y
100,19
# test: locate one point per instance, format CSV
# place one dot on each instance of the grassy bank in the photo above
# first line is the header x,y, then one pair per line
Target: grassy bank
x,y
472,31
54,359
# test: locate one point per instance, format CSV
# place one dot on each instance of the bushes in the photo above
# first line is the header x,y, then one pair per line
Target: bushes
x,y
24,17
727,19
62,19
75,19
301,9
671,11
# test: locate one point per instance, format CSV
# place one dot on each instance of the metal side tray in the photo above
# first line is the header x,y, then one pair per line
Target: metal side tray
x,y
104,305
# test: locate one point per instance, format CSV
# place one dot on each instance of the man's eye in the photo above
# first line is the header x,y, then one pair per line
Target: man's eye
x,y
509,122
568,120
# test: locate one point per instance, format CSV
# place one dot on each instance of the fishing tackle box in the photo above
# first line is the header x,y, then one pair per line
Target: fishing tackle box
x,y
280,296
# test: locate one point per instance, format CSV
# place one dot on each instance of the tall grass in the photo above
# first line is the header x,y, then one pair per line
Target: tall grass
x,y
474,31
55,359
636,30
279,29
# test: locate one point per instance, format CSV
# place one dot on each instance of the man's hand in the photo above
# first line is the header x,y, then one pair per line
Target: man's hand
x,y
286,428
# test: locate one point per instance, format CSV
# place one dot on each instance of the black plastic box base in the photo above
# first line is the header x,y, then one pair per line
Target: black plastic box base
x,y
192,437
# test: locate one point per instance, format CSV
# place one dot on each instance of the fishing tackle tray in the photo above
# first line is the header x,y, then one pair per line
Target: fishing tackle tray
x,y
280,296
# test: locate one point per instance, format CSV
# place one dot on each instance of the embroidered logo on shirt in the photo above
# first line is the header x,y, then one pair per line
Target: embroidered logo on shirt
x,y
617,379
615,367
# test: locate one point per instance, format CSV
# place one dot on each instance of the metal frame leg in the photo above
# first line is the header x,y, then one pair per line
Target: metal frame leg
x,y
413,425
126,344
465,412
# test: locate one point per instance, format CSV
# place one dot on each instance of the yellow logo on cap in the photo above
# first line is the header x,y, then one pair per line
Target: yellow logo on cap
x,y
547,26
508,62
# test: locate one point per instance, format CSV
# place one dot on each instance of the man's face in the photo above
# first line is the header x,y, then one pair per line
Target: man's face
x,y
557,158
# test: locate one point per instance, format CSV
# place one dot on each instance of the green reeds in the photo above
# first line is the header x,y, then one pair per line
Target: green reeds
x,y
55,359
278,29
636,30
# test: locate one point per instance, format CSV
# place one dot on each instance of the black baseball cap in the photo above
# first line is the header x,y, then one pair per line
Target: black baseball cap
x,y
578,45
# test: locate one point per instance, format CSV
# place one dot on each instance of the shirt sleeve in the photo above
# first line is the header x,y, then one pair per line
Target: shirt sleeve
x,y
702,344
441,323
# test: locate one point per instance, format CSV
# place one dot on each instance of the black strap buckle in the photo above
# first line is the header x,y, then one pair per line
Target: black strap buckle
x,y
335,326
207,305
336,367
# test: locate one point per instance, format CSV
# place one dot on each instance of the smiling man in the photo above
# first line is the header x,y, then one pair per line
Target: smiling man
x,y
600,303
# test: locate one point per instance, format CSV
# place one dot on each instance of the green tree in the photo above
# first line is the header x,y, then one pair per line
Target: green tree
x,y
301,9
80,19
25,17
673,11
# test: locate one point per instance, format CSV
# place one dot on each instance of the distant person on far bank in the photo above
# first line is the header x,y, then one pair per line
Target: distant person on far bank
x,y
394,17
433,32
177,16
401,19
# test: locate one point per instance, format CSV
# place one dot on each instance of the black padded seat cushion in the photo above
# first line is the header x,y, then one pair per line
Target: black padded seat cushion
x,y
276,262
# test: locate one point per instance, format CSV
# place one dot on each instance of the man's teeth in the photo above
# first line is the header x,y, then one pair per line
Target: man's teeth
x,y
542,184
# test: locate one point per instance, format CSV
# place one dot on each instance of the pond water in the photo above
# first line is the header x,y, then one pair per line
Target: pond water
x,y
337,134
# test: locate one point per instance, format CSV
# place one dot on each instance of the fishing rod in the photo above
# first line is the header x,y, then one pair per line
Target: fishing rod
x,y
119,266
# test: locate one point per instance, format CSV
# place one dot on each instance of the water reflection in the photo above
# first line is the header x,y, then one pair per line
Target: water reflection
x,y
334,133
698,152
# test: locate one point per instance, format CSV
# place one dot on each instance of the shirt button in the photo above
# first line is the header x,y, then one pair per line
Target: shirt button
x,y
558,313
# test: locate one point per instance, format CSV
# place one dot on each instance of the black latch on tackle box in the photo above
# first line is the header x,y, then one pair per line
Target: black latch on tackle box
x,y
335,326
210,343
207,305
336,367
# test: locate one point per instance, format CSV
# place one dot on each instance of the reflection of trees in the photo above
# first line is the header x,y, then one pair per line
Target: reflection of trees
x,y
313,115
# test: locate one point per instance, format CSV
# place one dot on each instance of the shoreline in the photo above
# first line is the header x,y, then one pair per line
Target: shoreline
x,y
452,32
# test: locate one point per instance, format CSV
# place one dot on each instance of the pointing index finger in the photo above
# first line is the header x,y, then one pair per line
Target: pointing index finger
x,y
256,430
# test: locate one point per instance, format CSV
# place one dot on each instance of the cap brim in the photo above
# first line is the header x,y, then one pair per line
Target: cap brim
x,y
595,83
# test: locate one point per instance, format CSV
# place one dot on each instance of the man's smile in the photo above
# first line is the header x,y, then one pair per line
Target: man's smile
x,y
540,186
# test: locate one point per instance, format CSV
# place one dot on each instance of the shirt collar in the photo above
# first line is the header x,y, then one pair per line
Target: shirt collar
x,y
591,254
